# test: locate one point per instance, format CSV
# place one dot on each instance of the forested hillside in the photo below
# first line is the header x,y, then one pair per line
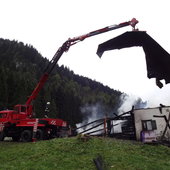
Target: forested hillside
x,y
21,67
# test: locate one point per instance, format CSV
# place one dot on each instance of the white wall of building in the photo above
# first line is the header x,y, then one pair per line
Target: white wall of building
x,y
148,114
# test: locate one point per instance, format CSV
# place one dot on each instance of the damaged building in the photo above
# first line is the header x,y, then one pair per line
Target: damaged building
x,y
147,125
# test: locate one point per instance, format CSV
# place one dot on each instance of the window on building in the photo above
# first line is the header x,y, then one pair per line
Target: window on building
x,y
149,125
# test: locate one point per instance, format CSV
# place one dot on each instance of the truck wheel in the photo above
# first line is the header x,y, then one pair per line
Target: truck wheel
x,y
15,138
26,136
39,134
2,136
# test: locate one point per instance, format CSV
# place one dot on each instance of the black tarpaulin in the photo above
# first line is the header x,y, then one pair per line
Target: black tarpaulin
x,y
157,59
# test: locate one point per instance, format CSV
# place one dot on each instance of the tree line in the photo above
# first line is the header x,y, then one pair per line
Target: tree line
x,y
22,66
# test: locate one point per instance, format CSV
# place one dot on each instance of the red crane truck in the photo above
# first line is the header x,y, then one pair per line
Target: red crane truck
x,y
19,122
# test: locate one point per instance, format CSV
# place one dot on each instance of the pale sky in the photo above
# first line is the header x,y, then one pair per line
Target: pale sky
x,y
47,24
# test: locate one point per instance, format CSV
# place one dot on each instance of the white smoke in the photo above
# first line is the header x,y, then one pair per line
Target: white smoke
x,y
128,101
92,112
154,98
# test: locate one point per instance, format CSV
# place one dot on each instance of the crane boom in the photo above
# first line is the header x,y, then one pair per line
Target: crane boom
x,y
65,47
132,23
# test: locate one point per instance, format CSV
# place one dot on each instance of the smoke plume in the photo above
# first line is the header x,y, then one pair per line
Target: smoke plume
x,y
92,112
128,101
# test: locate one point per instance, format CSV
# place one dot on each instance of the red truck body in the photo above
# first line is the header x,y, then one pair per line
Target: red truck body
x,y
20,125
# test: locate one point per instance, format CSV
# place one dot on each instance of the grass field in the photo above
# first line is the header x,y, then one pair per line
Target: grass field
x,y
74,154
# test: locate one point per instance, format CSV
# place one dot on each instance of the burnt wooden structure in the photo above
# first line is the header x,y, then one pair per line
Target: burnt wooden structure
x,y
107,126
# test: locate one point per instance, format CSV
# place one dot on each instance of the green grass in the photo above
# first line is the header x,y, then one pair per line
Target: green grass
x,y
74,154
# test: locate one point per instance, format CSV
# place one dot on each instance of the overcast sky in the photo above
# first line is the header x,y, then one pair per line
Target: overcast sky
x,y
46,24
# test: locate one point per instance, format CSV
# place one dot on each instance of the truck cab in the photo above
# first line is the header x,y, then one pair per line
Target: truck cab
x,y
22,111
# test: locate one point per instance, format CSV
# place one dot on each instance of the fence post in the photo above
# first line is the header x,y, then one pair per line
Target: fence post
x,y
1,127
105,126
35,130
